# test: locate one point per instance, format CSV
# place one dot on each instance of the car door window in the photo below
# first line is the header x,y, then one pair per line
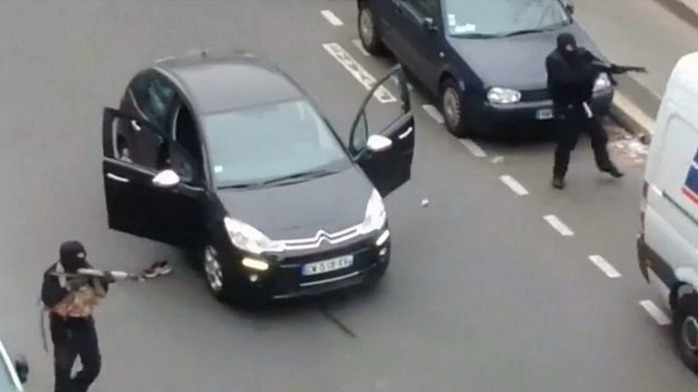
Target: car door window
x,y
426,8
185,134
118,144
160,96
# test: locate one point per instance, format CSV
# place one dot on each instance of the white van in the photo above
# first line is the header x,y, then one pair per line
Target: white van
x,y
668,239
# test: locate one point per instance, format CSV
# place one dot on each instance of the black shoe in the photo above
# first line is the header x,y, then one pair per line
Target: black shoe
x,y
558,182
613,171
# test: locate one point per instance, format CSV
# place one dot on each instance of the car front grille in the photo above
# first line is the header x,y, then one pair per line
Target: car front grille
x,y
534,95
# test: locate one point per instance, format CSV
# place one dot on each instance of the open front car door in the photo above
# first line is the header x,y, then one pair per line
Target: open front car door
x,y
144,190
385,154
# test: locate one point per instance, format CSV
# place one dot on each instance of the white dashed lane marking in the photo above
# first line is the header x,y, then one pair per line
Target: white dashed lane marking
x,y
433,113
557,224
473,148
497,159
358,72
332,18
514,185
655,312
604,266
359,46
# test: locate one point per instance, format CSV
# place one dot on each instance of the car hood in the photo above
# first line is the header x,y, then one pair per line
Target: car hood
x,y
299,210
516,62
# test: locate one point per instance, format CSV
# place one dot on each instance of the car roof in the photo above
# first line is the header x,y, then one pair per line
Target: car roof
x,y
229,80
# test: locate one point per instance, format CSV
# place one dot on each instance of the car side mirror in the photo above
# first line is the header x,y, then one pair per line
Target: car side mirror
x,y
166,179
22,368
429,24
378,143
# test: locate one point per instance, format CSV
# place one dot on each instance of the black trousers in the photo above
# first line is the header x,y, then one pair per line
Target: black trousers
x,y
570,123
73,337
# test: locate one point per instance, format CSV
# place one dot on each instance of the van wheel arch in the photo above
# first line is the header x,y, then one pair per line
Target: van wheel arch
x,y
674,296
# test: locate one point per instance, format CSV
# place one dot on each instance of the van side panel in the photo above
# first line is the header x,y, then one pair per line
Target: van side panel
x,y
671,217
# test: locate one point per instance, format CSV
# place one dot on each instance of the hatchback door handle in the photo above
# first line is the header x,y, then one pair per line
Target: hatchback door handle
x,y
117,178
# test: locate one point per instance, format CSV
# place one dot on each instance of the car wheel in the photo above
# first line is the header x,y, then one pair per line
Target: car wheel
x,y
368,31
686,330
218,281
453,109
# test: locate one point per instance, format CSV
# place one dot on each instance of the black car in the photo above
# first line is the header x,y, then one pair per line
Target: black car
x,y
223,154
483,59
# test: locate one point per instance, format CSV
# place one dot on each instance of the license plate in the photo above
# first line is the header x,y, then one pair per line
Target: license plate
x,y
330,265
544,114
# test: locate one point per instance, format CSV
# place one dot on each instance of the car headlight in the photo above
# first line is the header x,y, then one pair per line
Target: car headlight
x,y
603,82
503,95
249,239
375,216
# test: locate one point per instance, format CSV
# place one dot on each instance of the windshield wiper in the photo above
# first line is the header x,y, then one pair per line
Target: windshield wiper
x,y
298,176
241,186
475,35
526,31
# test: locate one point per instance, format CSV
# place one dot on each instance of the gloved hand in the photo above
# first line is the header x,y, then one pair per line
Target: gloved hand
x,y
108,277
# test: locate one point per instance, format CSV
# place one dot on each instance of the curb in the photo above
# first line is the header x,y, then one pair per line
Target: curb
x,y
682,10
632,118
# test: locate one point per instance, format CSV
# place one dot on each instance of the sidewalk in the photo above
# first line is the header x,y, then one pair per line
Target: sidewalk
x,y
684,9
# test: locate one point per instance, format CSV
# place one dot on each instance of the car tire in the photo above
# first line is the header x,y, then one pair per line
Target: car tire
x,y
369,33
218,278
225,285
685,330
453,110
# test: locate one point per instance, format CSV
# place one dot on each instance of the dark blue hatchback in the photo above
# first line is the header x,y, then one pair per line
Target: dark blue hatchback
x,y
483,59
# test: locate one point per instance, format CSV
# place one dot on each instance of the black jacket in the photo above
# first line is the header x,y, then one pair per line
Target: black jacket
x,y
571,79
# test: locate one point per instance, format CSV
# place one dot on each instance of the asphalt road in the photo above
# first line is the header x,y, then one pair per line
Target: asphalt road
x,y
483,293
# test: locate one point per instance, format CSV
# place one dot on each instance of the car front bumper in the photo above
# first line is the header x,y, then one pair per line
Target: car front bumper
x,y
492,118
285,279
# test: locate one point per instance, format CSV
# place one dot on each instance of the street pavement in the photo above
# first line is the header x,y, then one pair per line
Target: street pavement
x,y
484,294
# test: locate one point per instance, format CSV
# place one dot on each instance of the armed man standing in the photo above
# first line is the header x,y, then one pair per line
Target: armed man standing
x,y
572,73
70,298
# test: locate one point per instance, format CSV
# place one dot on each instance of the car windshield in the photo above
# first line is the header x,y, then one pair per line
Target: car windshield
x,y
495,18
268,142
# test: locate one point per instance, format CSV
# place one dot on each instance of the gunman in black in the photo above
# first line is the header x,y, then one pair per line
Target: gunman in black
x,y
572,73
70,300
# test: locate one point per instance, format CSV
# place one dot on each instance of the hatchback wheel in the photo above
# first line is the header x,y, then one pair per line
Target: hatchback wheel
x,y
368,31
453,110
218,281
686,330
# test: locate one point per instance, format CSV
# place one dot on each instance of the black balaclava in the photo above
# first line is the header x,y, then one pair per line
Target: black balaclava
x,y
564,40
72,255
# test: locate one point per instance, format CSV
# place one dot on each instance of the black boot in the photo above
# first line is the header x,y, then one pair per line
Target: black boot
x,y
558,182
612,170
